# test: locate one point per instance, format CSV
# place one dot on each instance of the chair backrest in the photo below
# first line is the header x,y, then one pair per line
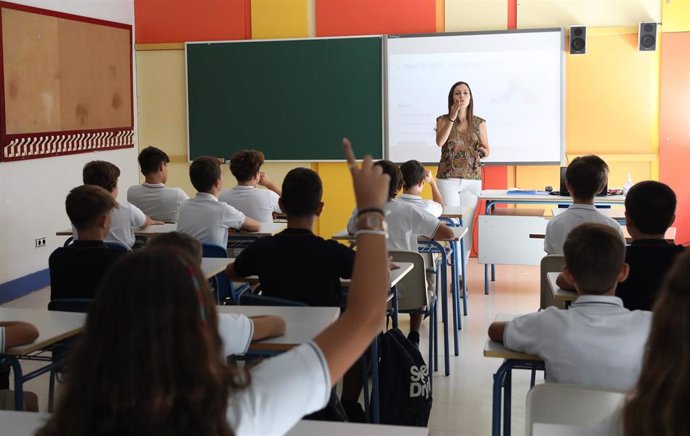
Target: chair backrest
x,y
212,250
578,410
261,300
411,289
116,246
81,305
549,263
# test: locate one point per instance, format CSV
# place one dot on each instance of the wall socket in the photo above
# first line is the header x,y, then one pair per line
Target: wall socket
x,y
40,242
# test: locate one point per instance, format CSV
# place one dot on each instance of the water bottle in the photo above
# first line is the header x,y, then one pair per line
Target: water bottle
x,y
628,184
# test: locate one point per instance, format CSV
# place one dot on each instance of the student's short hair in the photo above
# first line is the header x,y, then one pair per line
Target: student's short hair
x,y
245,164
413,173
393,171
594,254
203,172
85,204
651,206
101,173
150,159
587,176
301,193
178,241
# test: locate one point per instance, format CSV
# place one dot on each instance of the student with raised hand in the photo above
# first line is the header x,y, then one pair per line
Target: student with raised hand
x,y
149,359
585,177
259,204
126,217
204,217
597,342
153,197
658,405
14,334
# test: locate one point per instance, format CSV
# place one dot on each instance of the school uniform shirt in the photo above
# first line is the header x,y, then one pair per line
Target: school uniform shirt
x,y
649,261
157,200
405,223
297,265
282,390
597,342
125,218
259,204
208,220
559,226
77,270
428,205
236,333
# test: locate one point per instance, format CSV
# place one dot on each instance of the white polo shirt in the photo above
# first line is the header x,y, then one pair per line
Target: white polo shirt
x,y
282,390
405,223
256,203
157,200
207,219
597,342
125,218
559,226
236,331
428,205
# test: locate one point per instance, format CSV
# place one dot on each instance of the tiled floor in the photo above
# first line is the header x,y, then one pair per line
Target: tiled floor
x,y
462,401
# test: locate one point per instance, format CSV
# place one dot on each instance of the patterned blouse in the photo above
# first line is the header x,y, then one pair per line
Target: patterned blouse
x,y
460,155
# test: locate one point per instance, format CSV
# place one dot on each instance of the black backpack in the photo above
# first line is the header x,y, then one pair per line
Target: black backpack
x,y
405,391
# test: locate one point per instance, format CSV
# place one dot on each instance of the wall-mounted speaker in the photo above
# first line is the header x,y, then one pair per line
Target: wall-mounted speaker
x,y
646,37
578,39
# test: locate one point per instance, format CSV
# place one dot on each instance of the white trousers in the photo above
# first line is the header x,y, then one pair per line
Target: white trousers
x,y
465,194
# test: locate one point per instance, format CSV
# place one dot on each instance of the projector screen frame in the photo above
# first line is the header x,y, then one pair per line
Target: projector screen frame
x,y
562,96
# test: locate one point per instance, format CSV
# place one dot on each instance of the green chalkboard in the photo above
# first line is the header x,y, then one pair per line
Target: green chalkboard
x,y
291,99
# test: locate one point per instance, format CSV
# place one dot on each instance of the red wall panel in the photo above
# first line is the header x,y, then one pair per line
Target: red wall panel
x,y
367,17
674,131
161,21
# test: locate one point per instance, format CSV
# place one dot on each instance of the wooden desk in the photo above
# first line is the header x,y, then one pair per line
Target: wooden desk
x,y
669,235
303,323
267,229
558,293
214,265
503,378
148,232
52,327
26,424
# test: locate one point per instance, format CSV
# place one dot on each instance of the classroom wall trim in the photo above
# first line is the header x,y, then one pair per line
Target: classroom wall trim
x,y
25,285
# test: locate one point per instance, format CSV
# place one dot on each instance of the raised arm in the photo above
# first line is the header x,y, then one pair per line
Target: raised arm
x,y
267,183
435,192
344,341
445,124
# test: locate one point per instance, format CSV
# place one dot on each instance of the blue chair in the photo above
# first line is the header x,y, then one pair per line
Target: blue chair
x,y
221,284
116,246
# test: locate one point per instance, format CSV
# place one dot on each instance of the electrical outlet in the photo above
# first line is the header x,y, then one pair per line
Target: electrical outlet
x,y
40,242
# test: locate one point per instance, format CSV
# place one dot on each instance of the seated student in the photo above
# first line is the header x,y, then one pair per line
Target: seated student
x,y
203,216
153,197
597,342
125,217
76,270
295,264
13,334
586,176
414,175
259,204
406,222
649,210
658,404
237,331
156,304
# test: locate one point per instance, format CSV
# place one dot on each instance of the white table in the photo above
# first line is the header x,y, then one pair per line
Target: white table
x,y
26,424
558,293
214,265
669,235
303,323
616,214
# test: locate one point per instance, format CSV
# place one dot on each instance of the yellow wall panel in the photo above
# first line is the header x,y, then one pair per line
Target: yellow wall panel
x,y
612,98
675,15
281,19
550,13
338,197
465,15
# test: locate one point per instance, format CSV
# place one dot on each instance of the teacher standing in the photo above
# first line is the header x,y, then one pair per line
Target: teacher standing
x,y
463,139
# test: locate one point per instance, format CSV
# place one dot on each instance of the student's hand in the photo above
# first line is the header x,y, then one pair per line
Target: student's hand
x,y
264,179
371,185
157,222
429,178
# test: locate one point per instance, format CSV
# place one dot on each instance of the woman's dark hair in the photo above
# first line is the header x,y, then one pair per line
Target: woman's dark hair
x,y
658,405
470,108
149,360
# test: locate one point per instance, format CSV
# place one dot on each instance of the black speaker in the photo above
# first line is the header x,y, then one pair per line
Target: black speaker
x,y
646,37
578,39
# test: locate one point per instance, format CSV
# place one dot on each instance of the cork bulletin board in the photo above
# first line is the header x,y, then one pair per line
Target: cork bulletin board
x,y
66,84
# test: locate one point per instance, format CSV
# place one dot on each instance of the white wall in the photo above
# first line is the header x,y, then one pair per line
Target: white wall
x,y
32,193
